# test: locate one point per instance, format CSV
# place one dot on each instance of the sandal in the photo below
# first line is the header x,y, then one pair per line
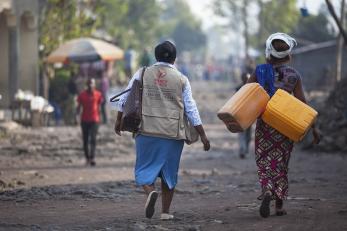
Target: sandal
x,y
265,205
150,204
166,216
281,212
279,208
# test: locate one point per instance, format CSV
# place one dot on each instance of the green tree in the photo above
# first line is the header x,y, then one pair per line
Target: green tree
x,y
130,22
182,26
275,16
237,11
61,20
188,37
314,28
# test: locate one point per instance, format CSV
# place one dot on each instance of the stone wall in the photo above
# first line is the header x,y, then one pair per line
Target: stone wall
x,y
19,49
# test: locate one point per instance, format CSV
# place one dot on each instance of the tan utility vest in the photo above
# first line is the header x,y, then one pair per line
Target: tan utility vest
x,y
162,103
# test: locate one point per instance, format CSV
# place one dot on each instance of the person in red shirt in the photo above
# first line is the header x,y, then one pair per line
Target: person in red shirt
x,y
90,100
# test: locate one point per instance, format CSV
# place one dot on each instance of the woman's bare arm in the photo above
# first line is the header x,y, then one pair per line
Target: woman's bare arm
x,y
299,94
203,137
299,91
252,79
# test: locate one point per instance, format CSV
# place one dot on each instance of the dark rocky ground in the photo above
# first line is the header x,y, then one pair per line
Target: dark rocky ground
x,y
45,184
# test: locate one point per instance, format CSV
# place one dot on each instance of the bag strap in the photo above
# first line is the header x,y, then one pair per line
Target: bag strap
x,y
114,98
141,88
143,72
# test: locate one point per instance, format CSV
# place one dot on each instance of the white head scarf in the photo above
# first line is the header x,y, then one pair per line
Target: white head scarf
x,y
270,50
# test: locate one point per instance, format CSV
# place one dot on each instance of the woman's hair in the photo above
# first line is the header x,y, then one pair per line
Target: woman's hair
x,y
279,45
165,52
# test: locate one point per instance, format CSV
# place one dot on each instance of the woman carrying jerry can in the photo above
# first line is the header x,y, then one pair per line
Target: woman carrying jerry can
x,y
166,103
272,149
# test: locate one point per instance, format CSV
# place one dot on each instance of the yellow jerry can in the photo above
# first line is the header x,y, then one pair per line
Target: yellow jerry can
x,y
244,107
288,115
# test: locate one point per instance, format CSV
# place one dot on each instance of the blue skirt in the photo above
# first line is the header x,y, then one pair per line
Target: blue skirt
x,y
157,157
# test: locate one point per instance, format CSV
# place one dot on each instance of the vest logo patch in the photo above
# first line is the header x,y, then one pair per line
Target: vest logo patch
x,y
160,78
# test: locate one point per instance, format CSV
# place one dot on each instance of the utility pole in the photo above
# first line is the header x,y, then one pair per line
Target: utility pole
x,y
340,43
13,52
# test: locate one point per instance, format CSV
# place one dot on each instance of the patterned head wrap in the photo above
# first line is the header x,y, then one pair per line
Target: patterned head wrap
x,y
270,50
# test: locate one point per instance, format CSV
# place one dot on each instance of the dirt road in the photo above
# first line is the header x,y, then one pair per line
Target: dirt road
x,y
45,185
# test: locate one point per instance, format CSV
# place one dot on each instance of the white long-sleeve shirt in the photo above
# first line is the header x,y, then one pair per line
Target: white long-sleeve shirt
x,y
190,108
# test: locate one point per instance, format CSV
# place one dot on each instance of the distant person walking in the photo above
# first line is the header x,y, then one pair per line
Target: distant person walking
x,y
272,149
90,101
167,99
104,87
245,136
145,60
129,61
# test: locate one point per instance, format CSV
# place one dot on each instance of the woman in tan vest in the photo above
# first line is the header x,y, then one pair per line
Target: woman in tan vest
x,y
167,101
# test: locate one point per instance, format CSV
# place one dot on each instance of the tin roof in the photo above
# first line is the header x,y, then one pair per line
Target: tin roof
x,y
314,46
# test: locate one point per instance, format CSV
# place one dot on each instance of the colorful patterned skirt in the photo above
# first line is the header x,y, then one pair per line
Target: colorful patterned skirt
x,y
272,153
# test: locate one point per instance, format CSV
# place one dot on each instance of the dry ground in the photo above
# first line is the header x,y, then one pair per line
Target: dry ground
x,y
46,186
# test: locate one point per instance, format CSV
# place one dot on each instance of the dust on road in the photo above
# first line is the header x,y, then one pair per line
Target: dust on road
x,y
45,184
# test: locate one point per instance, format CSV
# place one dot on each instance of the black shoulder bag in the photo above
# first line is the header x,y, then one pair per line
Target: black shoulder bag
x,y
132,110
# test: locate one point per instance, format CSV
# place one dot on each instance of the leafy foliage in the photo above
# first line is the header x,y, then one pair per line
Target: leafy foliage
x,y
276,16
181,25
273,16
129,22
139,23
188,37
61,20
238,13
314,28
